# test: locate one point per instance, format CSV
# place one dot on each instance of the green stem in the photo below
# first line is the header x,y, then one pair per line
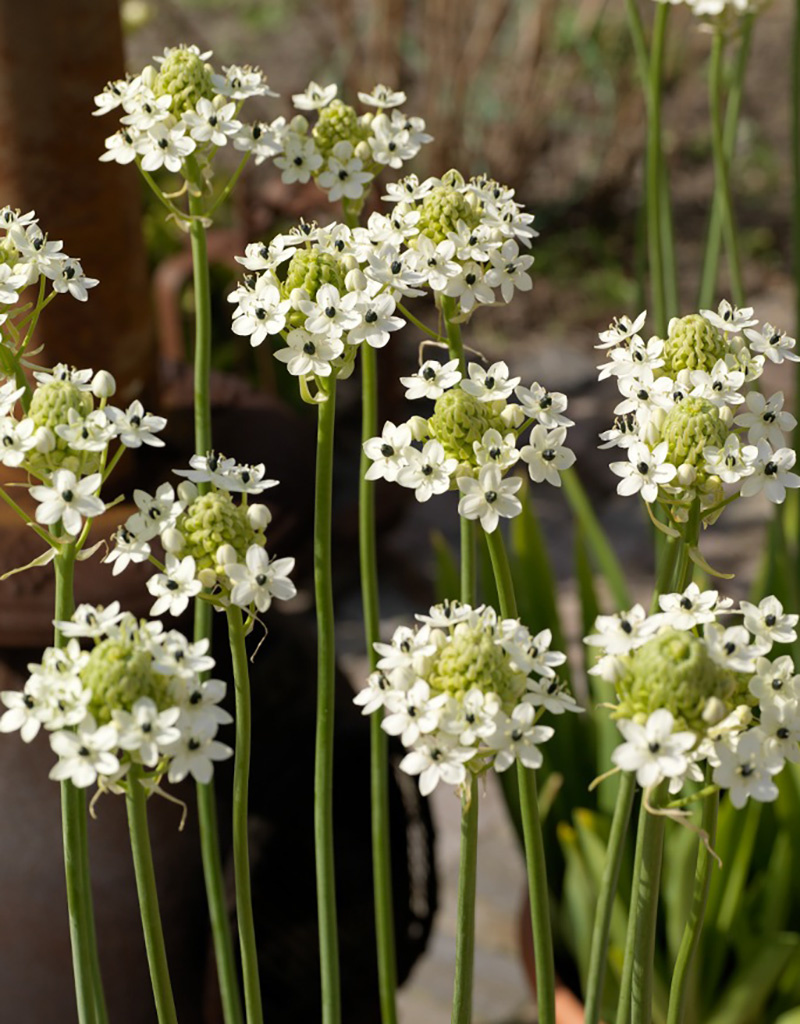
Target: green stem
x,y
722,183
654,171
418,323
228,188
379,747
454,343
681,975
624,1005
202,344
733,106
100,1008
326,670
671,298
465,925
645,914
136,803
531,825
795,106
241,854
469,568
605,900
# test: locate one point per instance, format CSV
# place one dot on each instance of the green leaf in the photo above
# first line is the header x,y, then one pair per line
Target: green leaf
x,y
746,993
446,583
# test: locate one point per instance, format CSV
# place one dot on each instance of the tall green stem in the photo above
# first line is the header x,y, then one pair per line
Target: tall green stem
x,y
654,170
202,343
326,670
379,746
531,825
681,975
136,803
795,106
721,178
733,106
645,912
605,899
465,926
241,855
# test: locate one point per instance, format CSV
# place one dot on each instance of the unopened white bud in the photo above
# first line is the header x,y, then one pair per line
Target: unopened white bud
x,y
726,415
149,76
714,711
103,384
45,440
299,124
363,151
259,516
349,262
226,555
187,491
355,281
513,415
419,428
687,474
207,577
172,540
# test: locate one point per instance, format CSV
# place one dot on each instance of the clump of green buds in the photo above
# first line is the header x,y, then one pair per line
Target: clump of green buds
x,y
186,77
689,428
460,419
118,673
692,343
210,524
444,206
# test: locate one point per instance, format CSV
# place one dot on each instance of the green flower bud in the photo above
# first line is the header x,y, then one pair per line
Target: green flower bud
x,y
9,253
211,521
50,406
673,671
692,344
118,673
309,269
689,427
472,659
338,123
184,77
460,419
443,207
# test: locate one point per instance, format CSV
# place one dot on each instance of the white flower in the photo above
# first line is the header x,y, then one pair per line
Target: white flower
x,y
68,276
689,609
623,632
85,754
767,620
369,699
208,123
771,473
194,753
437,760
546,455
344,175
260,312
509,270
732,462
128,548
473,718
121,147
227,474
551,695
427,472
16,440
91,434
644,471
775,680
653,750
547,407
772,343
432,379
174,588
135,427
300,159
489,385
746,768
147,730
309,353
780,724
434,262
376,320
24,712
517,738
89,620
314,97
68,500
166,147
386,451
728,318
240,83
721,385
330,313
494,449
620,329
383,96
732,648
260,579
489,497
469,286
766,419
412,713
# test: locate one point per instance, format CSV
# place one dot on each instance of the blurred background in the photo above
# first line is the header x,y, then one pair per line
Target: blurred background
x,y
540,94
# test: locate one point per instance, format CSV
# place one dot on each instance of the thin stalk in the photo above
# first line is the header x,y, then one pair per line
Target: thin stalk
x,y
730,131
73,825
465,925
326,669
654,170
379,746
645,913
624,1004
136,803
671,297
531,825
605,900
795,101
722,183
202,344
681,975
454,343
100,1008
241,854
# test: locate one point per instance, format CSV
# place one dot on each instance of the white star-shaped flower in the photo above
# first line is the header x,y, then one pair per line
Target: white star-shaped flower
x,y
68,500
174,588
260,579
489,497
653,750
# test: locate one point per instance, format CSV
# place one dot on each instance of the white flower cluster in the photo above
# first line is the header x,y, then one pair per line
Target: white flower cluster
x,y
180,107
212,544
471,439
690,421
691,689
28,256
344,151
137,697
714,8
464,691
63,440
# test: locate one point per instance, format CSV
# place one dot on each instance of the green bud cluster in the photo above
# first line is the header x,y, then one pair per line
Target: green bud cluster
x,y
460,419
50,407
212,520
184,77
689,427
672,671
338,122
442,208
118,673
309,269
692,344
470,659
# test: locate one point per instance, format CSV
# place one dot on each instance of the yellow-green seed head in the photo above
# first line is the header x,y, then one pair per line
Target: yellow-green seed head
x,y
50,407
672,671
472,659
459,420
443,207
692,344
184,77
689,427
338,122
118,673
212,520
